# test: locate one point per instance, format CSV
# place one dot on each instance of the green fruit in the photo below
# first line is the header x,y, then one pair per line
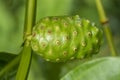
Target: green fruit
x,y
62,38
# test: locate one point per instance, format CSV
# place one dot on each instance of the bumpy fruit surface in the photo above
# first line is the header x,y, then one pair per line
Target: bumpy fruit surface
x,y
62,38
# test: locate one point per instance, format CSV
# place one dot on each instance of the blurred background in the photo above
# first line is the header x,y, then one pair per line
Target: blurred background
x,y
12,13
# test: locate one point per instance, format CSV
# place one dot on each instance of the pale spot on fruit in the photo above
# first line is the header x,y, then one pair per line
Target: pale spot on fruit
x,y
67,38
75,33
34,28
46,19
77,16
97,41
41,54
57,59
91,49
93,24
65,53
83,44
87,21
58,42
69,18
65,24
79,24
50,52
47,59
74,49
43,44
37,37
35,47
42,26
49,37
96,29
89,34
33,34
72,58
81,57
55,18
57,28
49,31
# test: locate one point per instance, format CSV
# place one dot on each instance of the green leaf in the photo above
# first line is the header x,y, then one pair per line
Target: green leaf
x,y
10,33
4,56
107,68
36,71
52,8
10,67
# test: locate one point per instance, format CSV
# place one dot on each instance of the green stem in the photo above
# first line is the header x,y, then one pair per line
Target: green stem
x,y
27,52
106,27
110,39
30,17
24,64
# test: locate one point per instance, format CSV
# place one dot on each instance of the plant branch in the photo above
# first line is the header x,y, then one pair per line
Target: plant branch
x,y
29,17
104,22
24,65
27,52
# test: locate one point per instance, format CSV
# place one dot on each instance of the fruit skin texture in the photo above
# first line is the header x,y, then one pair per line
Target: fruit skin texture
x,y
62,38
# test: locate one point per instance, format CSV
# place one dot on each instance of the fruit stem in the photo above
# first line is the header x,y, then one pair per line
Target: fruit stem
x,y
106,28
26,55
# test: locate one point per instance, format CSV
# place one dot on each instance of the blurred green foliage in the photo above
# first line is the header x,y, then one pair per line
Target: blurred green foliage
x,y
12,13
